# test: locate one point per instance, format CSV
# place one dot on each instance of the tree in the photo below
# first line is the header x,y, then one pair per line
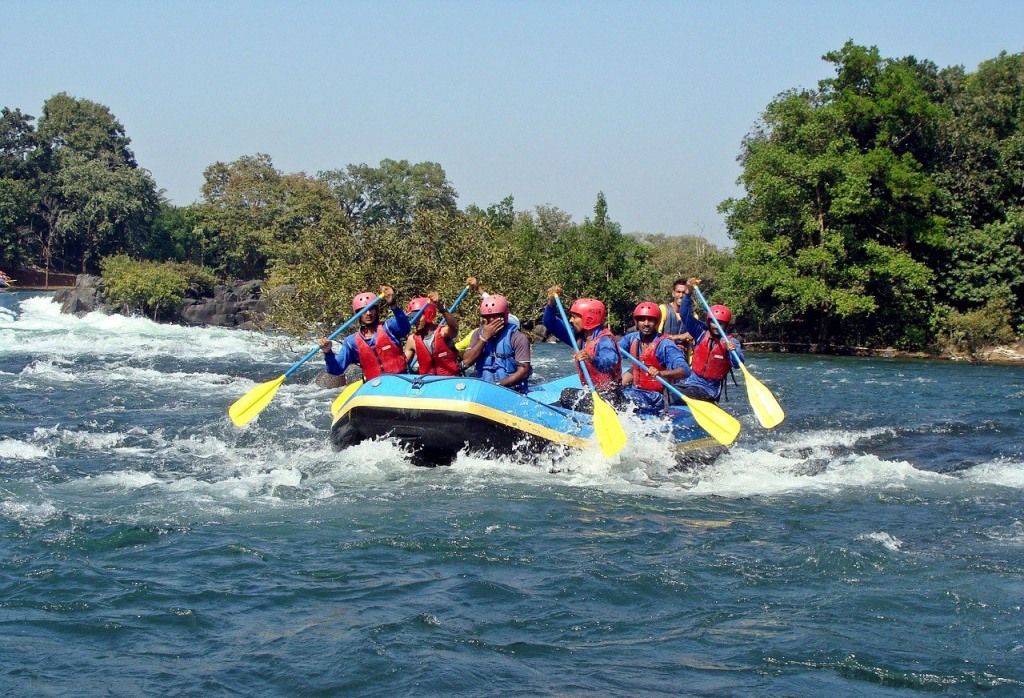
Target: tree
x,y
93,199
391,193
19,170
175,235
594,259
253,215
838,230
681,256
436,251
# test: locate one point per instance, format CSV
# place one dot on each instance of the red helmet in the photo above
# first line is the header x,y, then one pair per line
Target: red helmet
x,y
591,310
721,313
494,304
429,315
647,309
362,300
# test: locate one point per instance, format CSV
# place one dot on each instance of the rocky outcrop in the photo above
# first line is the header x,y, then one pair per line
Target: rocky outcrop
x,y
84,297
240,304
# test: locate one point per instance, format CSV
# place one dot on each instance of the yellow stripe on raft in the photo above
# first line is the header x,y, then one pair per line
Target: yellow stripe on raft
x,y
476,409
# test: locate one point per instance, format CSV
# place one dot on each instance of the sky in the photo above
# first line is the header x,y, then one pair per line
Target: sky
x,y
550,102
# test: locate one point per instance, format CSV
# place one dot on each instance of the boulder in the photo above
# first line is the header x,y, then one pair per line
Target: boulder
x,y
84,297
237,305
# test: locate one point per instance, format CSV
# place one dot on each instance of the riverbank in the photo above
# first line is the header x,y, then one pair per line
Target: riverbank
x,y
1012,354
241,305
26,279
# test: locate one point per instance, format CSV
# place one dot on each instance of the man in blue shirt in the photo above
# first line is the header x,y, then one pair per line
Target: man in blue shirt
x,y
712,354
663,358
597,347
376,346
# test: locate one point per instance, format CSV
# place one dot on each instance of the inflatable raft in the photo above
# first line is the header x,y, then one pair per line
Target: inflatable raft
x,y
436,417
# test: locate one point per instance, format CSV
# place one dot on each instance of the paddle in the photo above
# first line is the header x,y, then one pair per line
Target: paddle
x,y
722,426
351,388
245,408
610,435
766,407
455,305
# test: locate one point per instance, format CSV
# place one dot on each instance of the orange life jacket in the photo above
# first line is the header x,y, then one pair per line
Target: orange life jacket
x,y
434,356
383,357
711,359
601,379
641,378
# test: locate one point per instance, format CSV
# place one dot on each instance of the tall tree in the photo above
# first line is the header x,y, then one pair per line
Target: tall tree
x,y
391,193
594,259
838,228
93,198
19,171
252,214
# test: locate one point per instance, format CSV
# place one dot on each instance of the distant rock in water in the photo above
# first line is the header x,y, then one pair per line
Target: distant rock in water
x,y
236,305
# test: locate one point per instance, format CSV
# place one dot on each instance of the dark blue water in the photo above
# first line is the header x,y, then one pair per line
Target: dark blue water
x,y
871,545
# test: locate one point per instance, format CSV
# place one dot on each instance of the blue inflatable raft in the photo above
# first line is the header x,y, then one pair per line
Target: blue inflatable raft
x,y
436,417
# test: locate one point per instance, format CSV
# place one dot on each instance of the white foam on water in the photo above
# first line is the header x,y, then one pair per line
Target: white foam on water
x,y
42,329
1003,473
29,513
887,540
12,449
80,440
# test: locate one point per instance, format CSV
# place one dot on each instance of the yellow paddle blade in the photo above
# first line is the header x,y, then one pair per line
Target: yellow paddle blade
x,y
245,408
607,427
723,427
766,407
345,395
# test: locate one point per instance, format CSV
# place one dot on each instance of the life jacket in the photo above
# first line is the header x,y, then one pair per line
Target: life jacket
x,y
497,361
383,357
711,362
434,356
641,378
601,379
671,321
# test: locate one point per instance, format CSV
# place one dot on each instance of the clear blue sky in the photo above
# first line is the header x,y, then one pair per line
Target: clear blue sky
x,y
548,101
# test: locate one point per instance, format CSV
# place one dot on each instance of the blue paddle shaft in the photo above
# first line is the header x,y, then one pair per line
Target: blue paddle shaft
x,y
575,346
456,303
334,334
644,366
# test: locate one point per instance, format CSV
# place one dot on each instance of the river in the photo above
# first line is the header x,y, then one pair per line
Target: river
x,y
870,545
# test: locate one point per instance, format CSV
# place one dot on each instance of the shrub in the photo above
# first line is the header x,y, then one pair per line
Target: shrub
x,y
151,288
987,326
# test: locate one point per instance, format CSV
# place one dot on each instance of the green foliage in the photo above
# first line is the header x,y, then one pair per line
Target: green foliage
x,y
333,263
839,231
392,193
175,235
19,169
989,263
70,190
681,256
154,289
971,331
594,259
253,214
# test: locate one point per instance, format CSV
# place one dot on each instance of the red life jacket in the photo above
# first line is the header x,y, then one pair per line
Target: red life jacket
x,y
383,357
711,362
641,378
435,357
601,379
